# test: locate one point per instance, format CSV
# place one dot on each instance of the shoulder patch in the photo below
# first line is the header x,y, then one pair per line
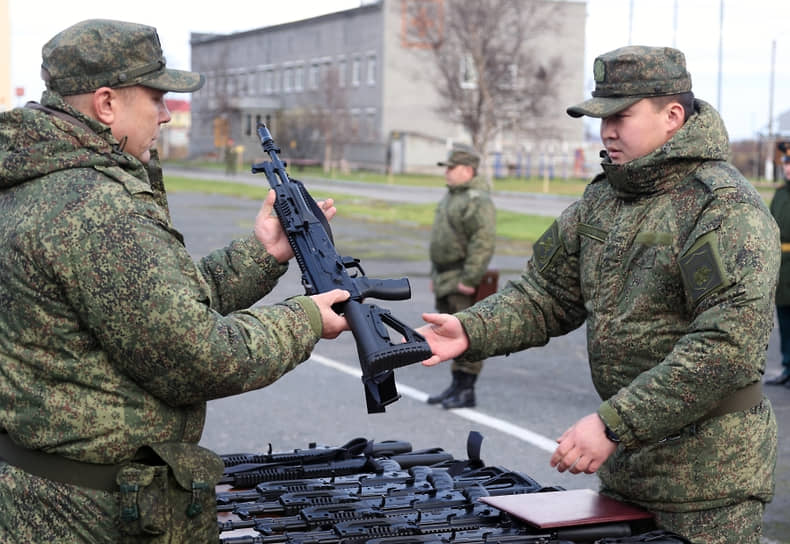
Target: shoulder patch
x,y
546,247
701,268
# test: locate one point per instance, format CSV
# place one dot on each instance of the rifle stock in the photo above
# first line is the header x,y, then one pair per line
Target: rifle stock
x,y
323,270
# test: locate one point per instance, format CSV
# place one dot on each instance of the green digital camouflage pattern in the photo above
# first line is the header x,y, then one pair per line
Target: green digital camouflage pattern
x,y
628,74
104,53
672,261
780,210
463,237
461,154
111,336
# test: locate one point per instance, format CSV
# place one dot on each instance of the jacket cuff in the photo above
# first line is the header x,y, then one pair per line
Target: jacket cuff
x,y
612,419
474,329
310,308
264,259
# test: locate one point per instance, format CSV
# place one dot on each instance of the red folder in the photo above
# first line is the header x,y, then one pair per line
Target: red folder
x,y
552,509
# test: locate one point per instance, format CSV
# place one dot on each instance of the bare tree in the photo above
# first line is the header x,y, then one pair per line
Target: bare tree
x,y
491,75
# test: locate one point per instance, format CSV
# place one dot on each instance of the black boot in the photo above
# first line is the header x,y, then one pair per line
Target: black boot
x,y
436,399
464,394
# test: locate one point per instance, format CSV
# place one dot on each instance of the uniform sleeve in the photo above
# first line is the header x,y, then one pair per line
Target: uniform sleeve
x,y
730,268
162,320
239,275
479,224
545,302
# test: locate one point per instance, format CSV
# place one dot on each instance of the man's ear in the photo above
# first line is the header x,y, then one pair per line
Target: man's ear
x,y
105,104
675,116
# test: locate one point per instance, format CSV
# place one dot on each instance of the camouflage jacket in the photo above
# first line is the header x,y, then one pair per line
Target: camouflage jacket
x,y
671,260
463,237
111,336
780,209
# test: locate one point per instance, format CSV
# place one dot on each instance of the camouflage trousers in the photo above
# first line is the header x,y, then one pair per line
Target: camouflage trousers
x,y
35,510
740,523
450,304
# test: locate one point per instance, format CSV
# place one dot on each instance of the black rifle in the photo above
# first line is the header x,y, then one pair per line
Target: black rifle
x,y
454,531
319,454
251,474
323,270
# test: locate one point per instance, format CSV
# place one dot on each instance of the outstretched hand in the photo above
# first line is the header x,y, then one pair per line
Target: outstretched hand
x,y
270,233
445,336
332,324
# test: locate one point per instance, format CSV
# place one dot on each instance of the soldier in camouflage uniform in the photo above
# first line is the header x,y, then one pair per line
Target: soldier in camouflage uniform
x,y
780,210
462,244
111,338
671,258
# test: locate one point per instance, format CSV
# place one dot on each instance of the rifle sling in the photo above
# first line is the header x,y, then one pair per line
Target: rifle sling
x,y
58,468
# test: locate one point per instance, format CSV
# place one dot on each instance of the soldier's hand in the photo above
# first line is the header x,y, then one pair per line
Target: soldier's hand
x,y
270,233
331,322
584,447
465,289
445,336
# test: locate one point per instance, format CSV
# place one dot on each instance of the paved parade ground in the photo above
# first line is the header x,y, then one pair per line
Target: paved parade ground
x,y
524,401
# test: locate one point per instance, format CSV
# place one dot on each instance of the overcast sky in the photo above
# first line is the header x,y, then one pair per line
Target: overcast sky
x,y
749,29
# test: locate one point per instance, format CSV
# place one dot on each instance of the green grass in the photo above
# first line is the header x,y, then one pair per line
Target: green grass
x,y
510,226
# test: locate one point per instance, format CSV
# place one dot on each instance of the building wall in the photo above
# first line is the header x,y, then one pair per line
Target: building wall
x,y
390,116
6,100
259,74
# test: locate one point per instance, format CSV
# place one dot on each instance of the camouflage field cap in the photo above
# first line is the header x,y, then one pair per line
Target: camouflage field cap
x,y
626,75
461,154
103,53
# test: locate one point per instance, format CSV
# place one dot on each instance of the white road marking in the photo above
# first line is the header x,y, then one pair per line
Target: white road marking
x,y
525,435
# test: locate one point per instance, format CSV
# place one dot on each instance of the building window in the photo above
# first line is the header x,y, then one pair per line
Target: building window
x,y
468,73
267,82
248,125
298,77
371,69
341,73
287,80
314,75
355,71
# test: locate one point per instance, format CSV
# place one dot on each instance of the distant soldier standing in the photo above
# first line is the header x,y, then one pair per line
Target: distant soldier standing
x,y
462,244
670,258
780,209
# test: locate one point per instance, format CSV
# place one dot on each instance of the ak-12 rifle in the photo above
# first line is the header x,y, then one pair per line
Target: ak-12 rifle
x,y
454,530
323,270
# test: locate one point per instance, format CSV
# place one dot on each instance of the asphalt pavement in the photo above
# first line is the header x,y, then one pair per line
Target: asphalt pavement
x,y
524,401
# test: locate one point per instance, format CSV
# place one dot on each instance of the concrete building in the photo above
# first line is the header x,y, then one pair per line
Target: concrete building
x,y
5,57
355,87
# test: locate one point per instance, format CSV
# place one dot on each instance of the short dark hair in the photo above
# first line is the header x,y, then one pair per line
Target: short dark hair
x,y
684,99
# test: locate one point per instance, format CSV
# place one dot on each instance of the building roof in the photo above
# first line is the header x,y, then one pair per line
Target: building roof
x,y
175,105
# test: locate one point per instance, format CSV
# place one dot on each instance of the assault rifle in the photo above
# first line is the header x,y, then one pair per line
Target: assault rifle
x,y
323,270
459,531
252,474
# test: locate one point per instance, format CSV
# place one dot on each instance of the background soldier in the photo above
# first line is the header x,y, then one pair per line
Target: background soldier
x,y
462,244
671,259
111,338
780,209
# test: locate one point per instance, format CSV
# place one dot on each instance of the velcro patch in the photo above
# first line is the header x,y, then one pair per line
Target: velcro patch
x,y
701,268
546,247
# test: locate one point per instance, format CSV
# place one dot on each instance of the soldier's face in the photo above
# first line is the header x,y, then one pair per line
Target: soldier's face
x,y
458,174
142,111
635,131
786,168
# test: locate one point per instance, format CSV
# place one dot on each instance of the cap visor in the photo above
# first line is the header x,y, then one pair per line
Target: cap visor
x,y
176,81
602,107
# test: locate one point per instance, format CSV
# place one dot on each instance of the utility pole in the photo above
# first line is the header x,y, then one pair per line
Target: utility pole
x,y
721,41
